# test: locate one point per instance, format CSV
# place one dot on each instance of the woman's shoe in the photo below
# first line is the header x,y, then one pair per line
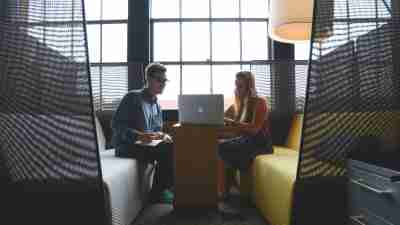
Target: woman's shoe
x,y
224,197
231,193
230,212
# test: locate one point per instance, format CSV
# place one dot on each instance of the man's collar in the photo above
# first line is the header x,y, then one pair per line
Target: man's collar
x,y
147,96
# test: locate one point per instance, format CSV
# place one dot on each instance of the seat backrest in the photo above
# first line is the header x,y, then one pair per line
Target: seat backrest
x,y
105,118
294,136
101,139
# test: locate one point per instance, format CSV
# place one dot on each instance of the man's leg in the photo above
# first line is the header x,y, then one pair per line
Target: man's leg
x,y
166,162
164,171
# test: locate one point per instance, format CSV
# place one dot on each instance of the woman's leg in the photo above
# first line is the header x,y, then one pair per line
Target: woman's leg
x,y
237,153
230,174
233,152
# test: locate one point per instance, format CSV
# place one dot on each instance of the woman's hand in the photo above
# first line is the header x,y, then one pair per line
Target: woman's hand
x,y
225,135
237,124
229,122
232,128
228,132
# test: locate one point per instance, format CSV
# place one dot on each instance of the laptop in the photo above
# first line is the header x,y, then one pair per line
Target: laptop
x,y
201,109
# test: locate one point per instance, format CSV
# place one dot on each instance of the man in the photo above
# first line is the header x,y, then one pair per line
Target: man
x,y
138,119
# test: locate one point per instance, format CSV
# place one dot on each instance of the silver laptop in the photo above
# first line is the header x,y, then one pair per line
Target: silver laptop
x,y
201,109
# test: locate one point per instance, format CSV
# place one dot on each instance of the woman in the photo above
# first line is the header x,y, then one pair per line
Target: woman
x,y
247,132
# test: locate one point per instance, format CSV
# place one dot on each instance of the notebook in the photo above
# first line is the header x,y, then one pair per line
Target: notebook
x,y
152,143
201,109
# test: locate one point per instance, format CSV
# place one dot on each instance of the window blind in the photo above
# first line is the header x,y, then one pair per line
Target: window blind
x,y
109,85
267,84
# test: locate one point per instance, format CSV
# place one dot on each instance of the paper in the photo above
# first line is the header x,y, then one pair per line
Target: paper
x,y
152,143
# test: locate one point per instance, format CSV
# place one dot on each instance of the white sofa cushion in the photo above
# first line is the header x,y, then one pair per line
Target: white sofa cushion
x,y
101,140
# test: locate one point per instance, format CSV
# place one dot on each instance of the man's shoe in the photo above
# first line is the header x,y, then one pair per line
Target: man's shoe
x,y
167,197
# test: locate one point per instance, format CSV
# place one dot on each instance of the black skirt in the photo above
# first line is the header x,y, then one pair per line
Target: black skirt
x,y
240,152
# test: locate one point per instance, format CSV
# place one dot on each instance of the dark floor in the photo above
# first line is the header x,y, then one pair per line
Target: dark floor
x,y
230,213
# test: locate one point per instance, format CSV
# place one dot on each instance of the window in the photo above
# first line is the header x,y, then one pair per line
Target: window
x,y
205,43
107,42
301,55
371,9
302,51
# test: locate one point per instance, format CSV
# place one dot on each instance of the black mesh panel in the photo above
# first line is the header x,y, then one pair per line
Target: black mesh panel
x,y
48,153
353,85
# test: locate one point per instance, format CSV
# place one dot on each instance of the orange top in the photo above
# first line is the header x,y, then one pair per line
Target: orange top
x,y
254,120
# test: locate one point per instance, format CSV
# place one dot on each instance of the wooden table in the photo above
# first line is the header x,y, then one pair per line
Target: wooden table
x,y
198,172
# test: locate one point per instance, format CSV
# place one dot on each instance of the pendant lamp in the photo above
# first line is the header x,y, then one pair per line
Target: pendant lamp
x,y
290,20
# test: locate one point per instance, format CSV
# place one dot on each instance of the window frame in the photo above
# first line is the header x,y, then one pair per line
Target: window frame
x,y
100,64
210,61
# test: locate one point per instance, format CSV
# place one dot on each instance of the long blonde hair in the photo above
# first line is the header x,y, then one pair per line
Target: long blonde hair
x,y
241,101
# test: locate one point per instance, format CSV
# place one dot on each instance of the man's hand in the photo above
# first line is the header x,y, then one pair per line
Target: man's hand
x,y
163,136
167,138
147,137
159,135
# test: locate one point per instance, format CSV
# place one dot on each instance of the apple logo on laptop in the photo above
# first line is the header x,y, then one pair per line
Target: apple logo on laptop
x,y
200,109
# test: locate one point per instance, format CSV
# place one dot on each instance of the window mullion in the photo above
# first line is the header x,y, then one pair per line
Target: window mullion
x,y
240,33
151,41
180,48
211,46
238,20
101,57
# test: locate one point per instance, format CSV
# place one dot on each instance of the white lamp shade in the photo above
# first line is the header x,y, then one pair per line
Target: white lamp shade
x,y
291,20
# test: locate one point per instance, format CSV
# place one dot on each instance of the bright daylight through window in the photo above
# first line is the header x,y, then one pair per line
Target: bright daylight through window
x,y
107,42
204,45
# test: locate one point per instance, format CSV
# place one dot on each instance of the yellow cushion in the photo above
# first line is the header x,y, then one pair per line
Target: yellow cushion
x,y
274,176
282,150
294,135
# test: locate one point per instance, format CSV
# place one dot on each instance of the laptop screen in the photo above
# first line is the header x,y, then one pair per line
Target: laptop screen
x,y
201,109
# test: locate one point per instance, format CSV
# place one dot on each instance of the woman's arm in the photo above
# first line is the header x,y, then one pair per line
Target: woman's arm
x,y
230,112
229,116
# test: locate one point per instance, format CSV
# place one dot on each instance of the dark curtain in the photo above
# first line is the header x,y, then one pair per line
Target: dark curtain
x,y
49,159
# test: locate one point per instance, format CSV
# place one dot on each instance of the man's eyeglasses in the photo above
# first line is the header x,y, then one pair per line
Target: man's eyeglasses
x,y
160,79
